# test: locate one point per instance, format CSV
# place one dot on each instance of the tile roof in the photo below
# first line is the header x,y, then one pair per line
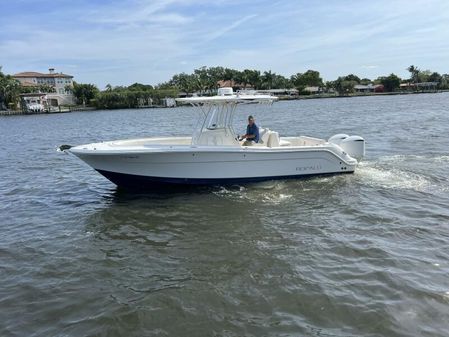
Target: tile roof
x,y
36,74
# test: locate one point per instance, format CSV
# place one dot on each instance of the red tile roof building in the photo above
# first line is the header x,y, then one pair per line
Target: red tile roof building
x,y
57,80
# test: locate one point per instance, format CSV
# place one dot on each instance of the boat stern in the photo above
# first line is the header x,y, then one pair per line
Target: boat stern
x,y
354,146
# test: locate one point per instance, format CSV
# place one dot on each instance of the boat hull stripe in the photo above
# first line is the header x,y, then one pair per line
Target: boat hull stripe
x,y
144,182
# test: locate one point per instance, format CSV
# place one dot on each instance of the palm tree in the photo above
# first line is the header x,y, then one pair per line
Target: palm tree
x,y
202,79
414,73
267,79
254,78
215,74
85,92
229,74
9,90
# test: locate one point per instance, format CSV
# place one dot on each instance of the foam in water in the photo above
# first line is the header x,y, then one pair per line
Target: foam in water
x,y
392,177
272,192
412,158
446,295
442,159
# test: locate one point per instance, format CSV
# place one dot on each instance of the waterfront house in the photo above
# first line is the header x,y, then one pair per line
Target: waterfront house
x,y
369,88
421,86
234,85
283,93
313,90
59,81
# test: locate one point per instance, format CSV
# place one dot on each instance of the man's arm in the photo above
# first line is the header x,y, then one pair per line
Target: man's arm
x,y
247,135
256,133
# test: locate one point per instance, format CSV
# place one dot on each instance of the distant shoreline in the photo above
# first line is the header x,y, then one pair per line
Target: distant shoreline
x,y
281,98
361,94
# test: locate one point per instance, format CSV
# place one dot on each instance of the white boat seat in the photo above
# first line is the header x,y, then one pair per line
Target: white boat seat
x,y
273,140
264,134
283,142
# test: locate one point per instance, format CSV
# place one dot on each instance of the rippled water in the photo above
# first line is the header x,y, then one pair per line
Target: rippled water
x,y
353,255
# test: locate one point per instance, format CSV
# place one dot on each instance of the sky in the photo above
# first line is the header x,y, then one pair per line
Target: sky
x,y
120,42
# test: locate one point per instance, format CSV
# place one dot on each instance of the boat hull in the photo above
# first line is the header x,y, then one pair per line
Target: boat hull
x,y
206,166
135,182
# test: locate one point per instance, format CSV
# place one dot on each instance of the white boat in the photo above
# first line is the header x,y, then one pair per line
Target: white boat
x,y
213,155
35,105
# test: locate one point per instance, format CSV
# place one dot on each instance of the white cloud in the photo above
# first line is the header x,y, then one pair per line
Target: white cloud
x,y
149,41
227,28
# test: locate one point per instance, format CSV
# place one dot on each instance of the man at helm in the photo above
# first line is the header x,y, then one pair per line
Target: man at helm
x,y
252,132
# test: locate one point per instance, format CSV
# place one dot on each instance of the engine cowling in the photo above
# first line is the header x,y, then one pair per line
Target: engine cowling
x,y
337,139
354,146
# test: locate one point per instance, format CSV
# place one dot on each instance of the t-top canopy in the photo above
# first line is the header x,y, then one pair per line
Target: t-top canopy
x,y
226,95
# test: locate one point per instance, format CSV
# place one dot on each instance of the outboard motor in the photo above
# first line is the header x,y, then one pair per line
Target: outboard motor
x,y
354,146
337,139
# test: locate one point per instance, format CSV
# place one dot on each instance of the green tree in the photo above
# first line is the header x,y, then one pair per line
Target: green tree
x,y
9,91
140,87
254,78
229,74
130,97
353,78
414,73
246,77
329,85
281,82
201,79
84,93
390,83
238,77
311,78
184,82
435,77
267,80
365,81
215,74
40,88
423,76
444,81
344,86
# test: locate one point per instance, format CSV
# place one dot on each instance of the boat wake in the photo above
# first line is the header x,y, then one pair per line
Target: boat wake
x,y
399,172
268,192
392,179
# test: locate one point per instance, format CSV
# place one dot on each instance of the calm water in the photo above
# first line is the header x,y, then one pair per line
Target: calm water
x,y
355,255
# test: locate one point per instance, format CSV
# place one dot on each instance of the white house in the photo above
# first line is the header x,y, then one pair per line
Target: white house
x,y
368,88
59,81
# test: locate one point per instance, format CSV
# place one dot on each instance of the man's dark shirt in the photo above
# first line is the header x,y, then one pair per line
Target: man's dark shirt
x,y
253,130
